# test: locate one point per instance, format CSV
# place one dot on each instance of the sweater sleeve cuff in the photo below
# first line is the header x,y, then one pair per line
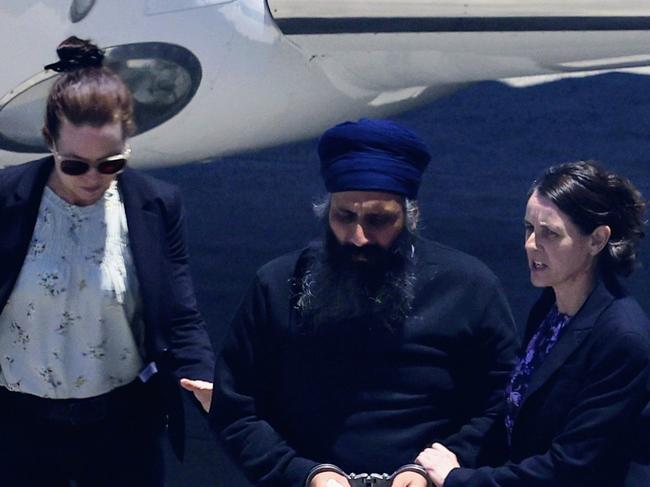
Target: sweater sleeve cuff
x,y
298,470
457,477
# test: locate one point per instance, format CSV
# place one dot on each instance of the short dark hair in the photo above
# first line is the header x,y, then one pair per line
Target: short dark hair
x,y
591,196
87,93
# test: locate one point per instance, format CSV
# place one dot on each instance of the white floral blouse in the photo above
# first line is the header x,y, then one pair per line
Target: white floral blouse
x,y
66,331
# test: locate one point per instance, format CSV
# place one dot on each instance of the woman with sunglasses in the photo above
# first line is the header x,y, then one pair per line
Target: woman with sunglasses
x,y
574,403
98,321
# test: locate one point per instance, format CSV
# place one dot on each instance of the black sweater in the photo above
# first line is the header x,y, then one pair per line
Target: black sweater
x,y
363,397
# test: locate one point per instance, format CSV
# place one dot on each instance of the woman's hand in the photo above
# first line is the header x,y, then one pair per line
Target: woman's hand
x,y
438,461
202,391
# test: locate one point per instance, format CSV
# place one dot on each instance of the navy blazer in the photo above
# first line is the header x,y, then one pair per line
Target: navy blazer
x,y
576,425
175,336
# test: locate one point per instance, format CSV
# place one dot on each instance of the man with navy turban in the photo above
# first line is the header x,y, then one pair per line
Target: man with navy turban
x,y
370,344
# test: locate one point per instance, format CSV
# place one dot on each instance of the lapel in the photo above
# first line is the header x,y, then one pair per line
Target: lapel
x,y
575,333
145,236
17,220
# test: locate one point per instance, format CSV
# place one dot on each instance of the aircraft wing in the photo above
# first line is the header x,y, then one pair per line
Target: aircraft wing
x,y
214,77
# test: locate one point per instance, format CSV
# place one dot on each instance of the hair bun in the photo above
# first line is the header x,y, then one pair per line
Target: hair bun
x,y
75,53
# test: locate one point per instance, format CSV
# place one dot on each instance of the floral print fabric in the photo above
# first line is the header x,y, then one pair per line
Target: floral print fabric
x,y
66,331
539,346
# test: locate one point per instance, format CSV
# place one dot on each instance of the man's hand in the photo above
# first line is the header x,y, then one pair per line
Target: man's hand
x,y
329,479
409,479
438,461
202,391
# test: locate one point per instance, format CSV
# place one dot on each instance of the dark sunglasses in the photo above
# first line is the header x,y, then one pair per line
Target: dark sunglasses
x,y
106,165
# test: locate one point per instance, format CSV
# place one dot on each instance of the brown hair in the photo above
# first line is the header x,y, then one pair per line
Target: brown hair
x,y
592,196
86,93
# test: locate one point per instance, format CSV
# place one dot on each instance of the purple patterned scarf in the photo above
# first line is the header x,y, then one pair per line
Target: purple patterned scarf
x,y
538,348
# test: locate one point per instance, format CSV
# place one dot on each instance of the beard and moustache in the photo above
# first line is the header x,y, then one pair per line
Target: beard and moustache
x,y
347,283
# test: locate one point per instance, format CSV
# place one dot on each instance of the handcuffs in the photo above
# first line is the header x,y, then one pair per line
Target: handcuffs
x,y
368,479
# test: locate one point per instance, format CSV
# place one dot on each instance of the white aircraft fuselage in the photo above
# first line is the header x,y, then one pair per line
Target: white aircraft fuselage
x,y
214,77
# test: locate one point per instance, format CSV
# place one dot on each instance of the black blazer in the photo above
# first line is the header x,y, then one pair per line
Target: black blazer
x,y
175,335
576,425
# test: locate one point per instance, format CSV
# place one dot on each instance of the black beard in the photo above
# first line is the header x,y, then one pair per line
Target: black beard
x,y
347,283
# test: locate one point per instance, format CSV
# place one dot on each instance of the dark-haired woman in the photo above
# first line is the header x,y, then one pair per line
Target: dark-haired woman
x,y
576,395
98,320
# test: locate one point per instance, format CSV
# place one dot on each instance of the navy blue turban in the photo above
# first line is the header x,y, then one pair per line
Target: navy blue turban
x,y
372,155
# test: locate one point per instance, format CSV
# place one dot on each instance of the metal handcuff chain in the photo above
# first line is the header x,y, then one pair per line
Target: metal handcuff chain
x,y
368,479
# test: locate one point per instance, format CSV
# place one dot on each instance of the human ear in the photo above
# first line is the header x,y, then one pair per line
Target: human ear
x,y
599,238
48,138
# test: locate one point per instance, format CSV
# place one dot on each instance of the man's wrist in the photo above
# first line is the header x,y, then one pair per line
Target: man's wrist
x,y
414,467
328,467
321,468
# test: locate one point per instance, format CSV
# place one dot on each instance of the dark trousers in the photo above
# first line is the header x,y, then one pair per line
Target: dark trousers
x,y
104,442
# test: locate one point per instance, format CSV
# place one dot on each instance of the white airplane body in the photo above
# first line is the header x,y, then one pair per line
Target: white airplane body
x,y
214,77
